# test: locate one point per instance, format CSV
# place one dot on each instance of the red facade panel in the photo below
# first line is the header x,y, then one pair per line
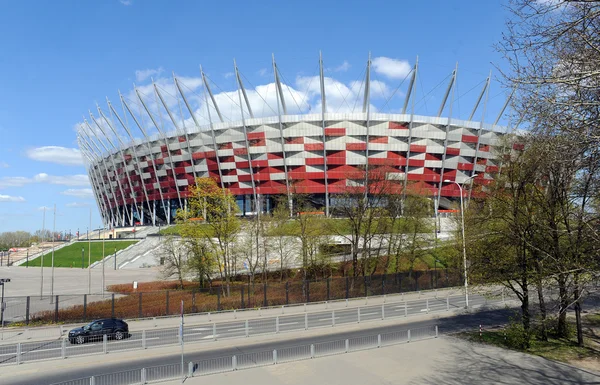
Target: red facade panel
x,y
452,151
356,146
314,161
465,166
469,139
313,147
418,148
397,126
335,132
256,135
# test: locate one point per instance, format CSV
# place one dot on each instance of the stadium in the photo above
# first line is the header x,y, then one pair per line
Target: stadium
x,y
144,180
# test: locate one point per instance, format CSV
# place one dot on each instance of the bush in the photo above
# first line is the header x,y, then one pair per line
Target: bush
x,y
515,335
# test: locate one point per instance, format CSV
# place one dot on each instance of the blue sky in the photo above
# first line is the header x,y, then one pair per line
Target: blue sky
x,y
58,59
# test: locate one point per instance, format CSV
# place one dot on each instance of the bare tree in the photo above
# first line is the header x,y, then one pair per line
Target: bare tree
x,y
279,240
174,257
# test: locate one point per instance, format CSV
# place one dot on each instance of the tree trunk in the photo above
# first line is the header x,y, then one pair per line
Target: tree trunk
x,y
577,294
355,260
526,317
561,328
542,302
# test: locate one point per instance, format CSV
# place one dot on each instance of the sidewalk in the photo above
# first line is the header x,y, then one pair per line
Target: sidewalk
x,y
15,335
444,360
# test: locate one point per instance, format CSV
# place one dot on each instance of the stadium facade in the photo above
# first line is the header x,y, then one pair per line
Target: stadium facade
x,y
145,180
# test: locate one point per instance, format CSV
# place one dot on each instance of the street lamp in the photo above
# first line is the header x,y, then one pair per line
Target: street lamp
x,y
462,215
2,304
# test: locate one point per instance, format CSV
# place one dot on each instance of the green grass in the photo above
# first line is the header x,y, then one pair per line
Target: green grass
x,y
330,226
70,256
563,349
174,230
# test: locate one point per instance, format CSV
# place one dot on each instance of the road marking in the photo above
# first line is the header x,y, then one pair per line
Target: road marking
x,y
327,319
201,329
362,314
212,336
238,329
289,323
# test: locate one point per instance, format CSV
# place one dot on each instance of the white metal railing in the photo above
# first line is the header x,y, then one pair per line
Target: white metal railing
x,y
257,359
26,352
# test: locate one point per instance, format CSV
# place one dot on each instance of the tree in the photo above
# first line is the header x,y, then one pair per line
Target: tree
x,y
553,52
499,229
217,207
280,242
309,228
201,259
362,206
174,259
415,227
536,225
246,247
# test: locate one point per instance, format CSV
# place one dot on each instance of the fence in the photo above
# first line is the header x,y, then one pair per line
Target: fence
x,y
237,328
257,359
78,308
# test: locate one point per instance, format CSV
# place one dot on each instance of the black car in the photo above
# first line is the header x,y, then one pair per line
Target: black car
x,y
95,330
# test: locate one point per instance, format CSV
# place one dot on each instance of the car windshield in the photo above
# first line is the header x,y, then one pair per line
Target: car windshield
x,y
88,326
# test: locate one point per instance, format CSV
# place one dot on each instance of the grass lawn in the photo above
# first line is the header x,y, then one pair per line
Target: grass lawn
x,y
564,350
70,256
330,226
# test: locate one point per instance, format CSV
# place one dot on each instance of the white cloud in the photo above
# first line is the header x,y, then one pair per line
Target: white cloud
x,y
8,198
391,68
228,75
66,180
14,181
77,204
345,66
340,97
262,72
79,192
126,2
46,208
56,154
141,75
4,165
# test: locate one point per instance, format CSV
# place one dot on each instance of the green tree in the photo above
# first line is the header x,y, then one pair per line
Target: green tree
x,y
217,207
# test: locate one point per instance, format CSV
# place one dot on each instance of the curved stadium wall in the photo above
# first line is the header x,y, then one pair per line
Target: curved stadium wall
x,y
146,181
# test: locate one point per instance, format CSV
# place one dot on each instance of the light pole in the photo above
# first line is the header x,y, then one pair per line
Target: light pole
x,y
462,215
104,236
2,304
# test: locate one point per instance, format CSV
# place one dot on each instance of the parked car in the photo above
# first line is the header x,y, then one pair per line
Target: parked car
x,y
111,327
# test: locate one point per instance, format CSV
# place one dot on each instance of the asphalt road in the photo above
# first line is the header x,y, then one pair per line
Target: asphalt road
x,y
231,330
53,349
97,368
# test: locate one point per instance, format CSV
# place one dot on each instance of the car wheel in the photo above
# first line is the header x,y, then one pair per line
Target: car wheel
x,y
80,340
119,335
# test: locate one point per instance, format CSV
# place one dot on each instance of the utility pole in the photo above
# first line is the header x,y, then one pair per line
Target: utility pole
x,y
90,257
52,273
42,251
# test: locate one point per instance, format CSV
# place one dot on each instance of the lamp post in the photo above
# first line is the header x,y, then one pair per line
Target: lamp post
x,y
104,236
462,215
2,304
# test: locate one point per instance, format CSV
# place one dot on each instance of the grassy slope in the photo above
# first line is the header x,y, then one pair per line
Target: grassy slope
x,y
70,256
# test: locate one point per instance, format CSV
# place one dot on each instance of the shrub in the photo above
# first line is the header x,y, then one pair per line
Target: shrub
x,y
515,335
